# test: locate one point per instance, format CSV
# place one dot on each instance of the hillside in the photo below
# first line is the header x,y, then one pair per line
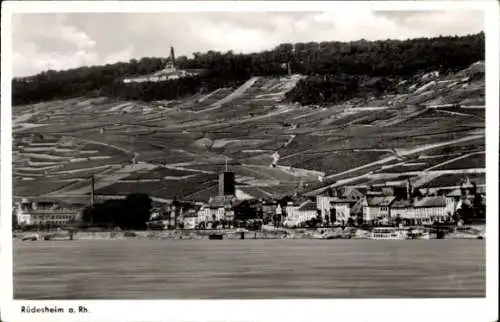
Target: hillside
x,y
336,71
429,127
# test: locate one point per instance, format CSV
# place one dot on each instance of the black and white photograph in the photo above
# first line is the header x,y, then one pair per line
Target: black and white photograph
x,y
275,154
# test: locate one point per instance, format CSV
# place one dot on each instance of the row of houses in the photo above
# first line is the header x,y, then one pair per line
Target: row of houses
x,y
340,206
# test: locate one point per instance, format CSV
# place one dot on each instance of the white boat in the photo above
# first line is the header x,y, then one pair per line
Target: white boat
x,y
388,233
31,237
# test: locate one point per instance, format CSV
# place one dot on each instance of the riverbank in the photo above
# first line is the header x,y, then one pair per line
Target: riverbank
x,y
231,234
168,234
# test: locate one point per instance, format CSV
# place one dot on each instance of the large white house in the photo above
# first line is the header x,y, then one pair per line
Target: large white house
x,y
418,210
44,213
376,208
296,214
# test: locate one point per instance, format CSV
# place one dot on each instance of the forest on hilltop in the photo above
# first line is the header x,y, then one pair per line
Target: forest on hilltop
x,y
336,71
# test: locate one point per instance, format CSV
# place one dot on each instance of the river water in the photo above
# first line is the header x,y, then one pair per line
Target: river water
x,y
248,269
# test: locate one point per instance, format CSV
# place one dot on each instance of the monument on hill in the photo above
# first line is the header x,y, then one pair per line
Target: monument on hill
x,y
171,60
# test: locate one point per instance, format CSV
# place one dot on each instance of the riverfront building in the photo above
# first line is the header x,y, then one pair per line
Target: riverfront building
x,y
427,209
44,213
377,208
343,209
296,214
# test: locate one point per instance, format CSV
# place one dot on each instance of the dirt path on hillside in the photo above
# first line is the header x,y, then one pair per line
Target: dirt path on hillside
x,y
458,113
235,94
103,143
261,117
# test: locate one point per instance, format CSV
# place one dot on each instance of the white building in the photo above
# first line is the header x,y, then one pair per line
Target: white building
x,y
204,214
44,213
323,204
348,194
219,206
375,208
424,210
301,213
431,209
344,209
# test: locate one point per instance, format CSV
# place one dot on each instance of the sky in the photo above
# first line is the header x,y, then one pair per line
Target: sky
x,y
63,41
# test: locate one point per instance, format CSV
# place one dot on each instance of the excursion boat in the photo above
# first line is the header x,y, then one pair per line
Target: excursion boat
x,y
386,233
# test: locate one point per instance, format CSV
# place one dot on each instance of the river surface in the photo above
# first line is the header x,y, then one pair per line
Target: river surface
x,y
248,269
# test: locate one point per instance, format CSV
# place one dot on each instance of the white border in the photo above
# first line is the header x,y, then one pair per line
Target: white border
x,y
466,310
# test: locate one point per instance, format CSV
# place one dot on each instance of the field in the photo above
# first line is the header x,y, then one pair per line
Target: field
x,y
474,161
177,148
159,173
450,180
333,162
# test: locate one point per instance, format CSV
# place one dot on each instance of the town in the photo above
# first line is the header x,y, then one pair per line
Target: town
x,y
394,204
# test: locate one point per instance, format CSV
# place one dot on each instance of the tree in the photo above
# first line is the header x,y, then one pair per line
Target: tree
x,y
139,207
319,218
312,223
397,220
176,205
416,194
275,220
333,215
130,213
14,222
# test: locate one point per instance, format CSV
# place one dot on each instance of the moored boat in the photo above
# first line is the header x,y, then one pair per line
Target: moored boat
x,y
419,234
31,237
215,236
389,233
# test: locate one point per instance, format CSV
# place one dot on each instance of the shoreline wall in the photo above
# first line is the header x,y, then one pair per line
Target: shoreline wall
x,y
230,234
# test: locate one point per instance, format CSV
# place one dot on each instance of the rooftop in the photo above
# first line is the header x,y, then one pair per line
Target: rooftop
x,y
352,193
308,206
432,201
220,201
402,203
455,193
344,200
380,201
